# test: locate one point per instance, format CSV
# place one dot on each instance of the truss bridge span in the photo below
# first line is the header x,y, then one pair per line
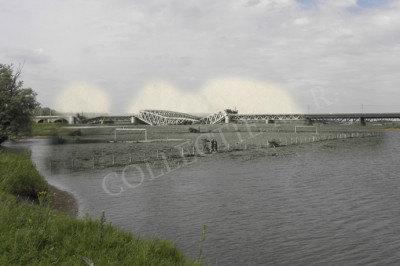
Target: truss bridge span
x,y
164,117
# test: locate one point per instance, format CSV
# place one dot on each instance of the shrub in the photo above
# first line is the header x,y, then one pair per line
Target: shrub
x,y
18,175
193,130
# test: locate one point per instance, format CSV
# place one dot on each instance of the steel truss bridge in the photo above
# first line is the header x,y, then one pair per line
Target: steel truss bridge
x,y
164,117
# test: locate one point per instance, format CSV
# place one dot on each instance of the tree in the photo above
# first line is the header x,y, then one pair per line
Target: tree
x,y
45,111
17,104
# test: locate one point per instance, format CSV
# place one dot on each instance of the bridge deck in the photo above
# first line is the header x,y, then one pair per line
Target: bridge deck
x,y
162,117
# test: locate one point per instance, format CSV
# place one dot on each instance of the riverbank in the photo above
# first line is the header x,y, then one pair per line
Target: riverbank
x,y
63,201
32,232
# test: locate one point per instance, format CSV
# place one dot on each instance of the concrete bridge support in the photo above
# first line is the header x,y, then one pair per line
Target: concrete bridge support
x,y
133,120
227,119
308,122
362,121
270,121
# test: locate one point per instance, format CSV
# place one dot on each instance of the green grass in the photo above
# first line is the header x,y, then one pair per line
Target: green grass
x,y
33,234
46,129
19,177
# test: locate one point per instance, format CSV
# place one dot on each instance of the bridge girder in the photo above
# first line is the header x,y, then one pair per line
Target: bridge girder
x,y
213,118
162,117
268,117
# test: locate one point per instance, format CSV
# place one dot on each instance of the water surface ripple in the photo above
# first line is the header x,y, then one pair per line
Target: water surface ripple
x,y
326,204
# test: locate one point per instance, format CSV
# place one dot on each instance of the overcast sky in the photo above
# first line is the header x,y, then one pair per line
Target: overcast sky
x,y
114,56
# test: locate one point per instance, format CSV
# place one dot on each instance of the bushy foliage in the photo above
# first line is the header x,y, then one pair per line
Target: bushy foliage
x,y
45,111
17,105
18,176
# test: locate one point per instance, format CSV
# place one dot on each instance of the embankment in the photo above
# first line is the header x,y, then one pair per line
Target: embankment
x,y
31,233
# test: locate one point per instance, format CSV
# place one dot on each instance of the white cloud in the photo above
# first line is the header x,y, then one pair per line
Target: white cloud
x,y
122,45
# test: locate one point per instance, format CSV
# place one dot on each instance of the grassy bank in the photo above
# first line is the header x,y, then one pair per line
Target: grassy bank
x,y
19,177
33,234
46,129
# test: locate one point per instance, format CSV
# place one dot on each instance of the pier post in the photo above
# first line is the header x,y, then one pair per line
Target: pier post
x,y
70,120
362,121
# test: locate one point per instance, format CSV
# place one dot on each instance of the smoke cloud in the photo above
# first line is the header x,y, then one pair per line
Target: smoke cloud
x,y
83,97
248,96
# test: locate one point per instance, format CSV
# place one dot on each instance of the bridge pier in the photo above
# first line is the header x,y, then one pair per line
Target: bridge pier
x,y
270,121
133,120
309,122
227,119
70,120
362,121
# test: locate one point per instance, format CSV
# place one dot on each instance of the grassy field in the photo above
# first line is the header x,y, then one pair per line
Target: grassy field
x,y
95,147
33,234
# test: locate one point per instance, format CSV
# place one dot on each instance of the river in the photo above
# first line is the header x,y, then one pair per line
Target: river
x,y
331,203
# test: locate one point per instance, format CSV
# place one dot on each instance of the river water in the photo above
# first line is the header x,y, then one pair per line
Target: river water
x,y
331,203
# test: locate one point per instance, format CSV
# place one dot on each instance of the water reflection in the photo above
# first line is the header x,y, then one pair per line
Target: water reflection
x,y
332,203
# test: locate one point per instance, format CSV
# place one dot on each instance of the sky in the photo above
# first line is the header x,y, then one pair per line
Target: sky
x,y
260,56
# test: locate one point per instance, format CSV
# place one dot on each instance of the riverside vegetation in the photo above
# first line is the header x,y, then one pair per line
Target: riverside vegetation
x,y
31,233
